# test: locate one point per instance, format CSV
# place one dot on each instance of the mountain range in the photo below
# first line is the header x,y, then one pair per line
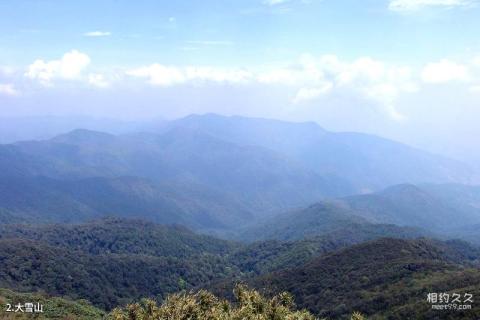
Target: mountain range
x,y
213,173
367,162
343,221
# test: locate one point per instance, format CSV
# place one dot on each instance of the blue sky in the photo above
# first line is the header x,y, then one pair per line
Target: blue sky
x,y
232,32
405,69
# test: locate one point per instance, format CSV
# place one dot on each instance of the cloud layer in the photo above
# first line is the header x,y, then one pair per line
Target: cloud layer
x,y
97,34
8,89
69,67
306,80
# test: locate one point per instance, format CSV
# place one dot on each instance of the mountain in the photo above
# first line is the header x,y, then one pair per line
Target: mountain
x,y
137,237
106,280
113,261
121,236
272,255
428,210
183,161
324,218
429,207
110,262
383,279
367,162
16,129
464,197
39,199
211,173
469,233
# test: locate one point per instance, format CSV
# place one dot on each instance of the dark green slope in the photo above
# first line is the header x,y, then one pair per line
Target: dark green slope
x,y
110,262
53,307
386,278
107,280
114,261
121,236
272,255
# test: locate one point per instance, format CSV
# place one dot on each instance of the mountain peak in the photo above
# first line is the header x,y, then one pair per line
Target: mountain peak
x,y
83,136
403,188
212,118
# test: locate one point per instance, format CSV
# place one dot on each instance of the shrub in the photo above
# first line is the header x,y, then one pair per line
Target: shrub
x,y
203,305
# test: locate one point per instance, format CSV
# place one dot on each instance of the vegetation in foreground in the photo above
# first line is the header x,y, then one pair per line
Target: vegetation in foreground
x,y
250,304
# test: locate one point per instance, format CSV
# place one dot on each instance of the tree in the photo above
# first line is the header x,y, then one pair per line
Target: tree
x,y
203,305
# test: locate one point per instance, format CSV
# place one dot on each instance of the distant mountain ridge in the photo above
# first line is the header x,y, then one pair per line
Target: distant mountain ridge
x,y
368,162
422,209
182,165
420,206
208,172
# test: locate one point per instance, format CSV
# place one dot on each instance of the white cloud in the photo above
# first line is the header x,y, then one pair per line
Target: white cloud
x,y
69,67
413,5
217,74
161,75
444,71
8,89
386,94
98,80
310,77
476,61
158,74
376,80
307,94
286,76
97,34
474,89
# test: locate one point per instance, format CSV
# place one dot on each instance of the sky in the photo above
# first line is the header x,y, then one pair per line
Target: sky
x,y
408,70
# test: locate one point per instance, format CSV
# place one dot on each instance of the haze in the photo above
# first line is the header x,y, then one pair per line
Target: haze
x,y
408,70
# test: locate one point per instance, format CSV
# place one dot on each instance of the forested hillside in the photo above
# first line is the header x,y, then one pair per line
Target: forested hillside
x,y
110,262
54,308
113,262
386,278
